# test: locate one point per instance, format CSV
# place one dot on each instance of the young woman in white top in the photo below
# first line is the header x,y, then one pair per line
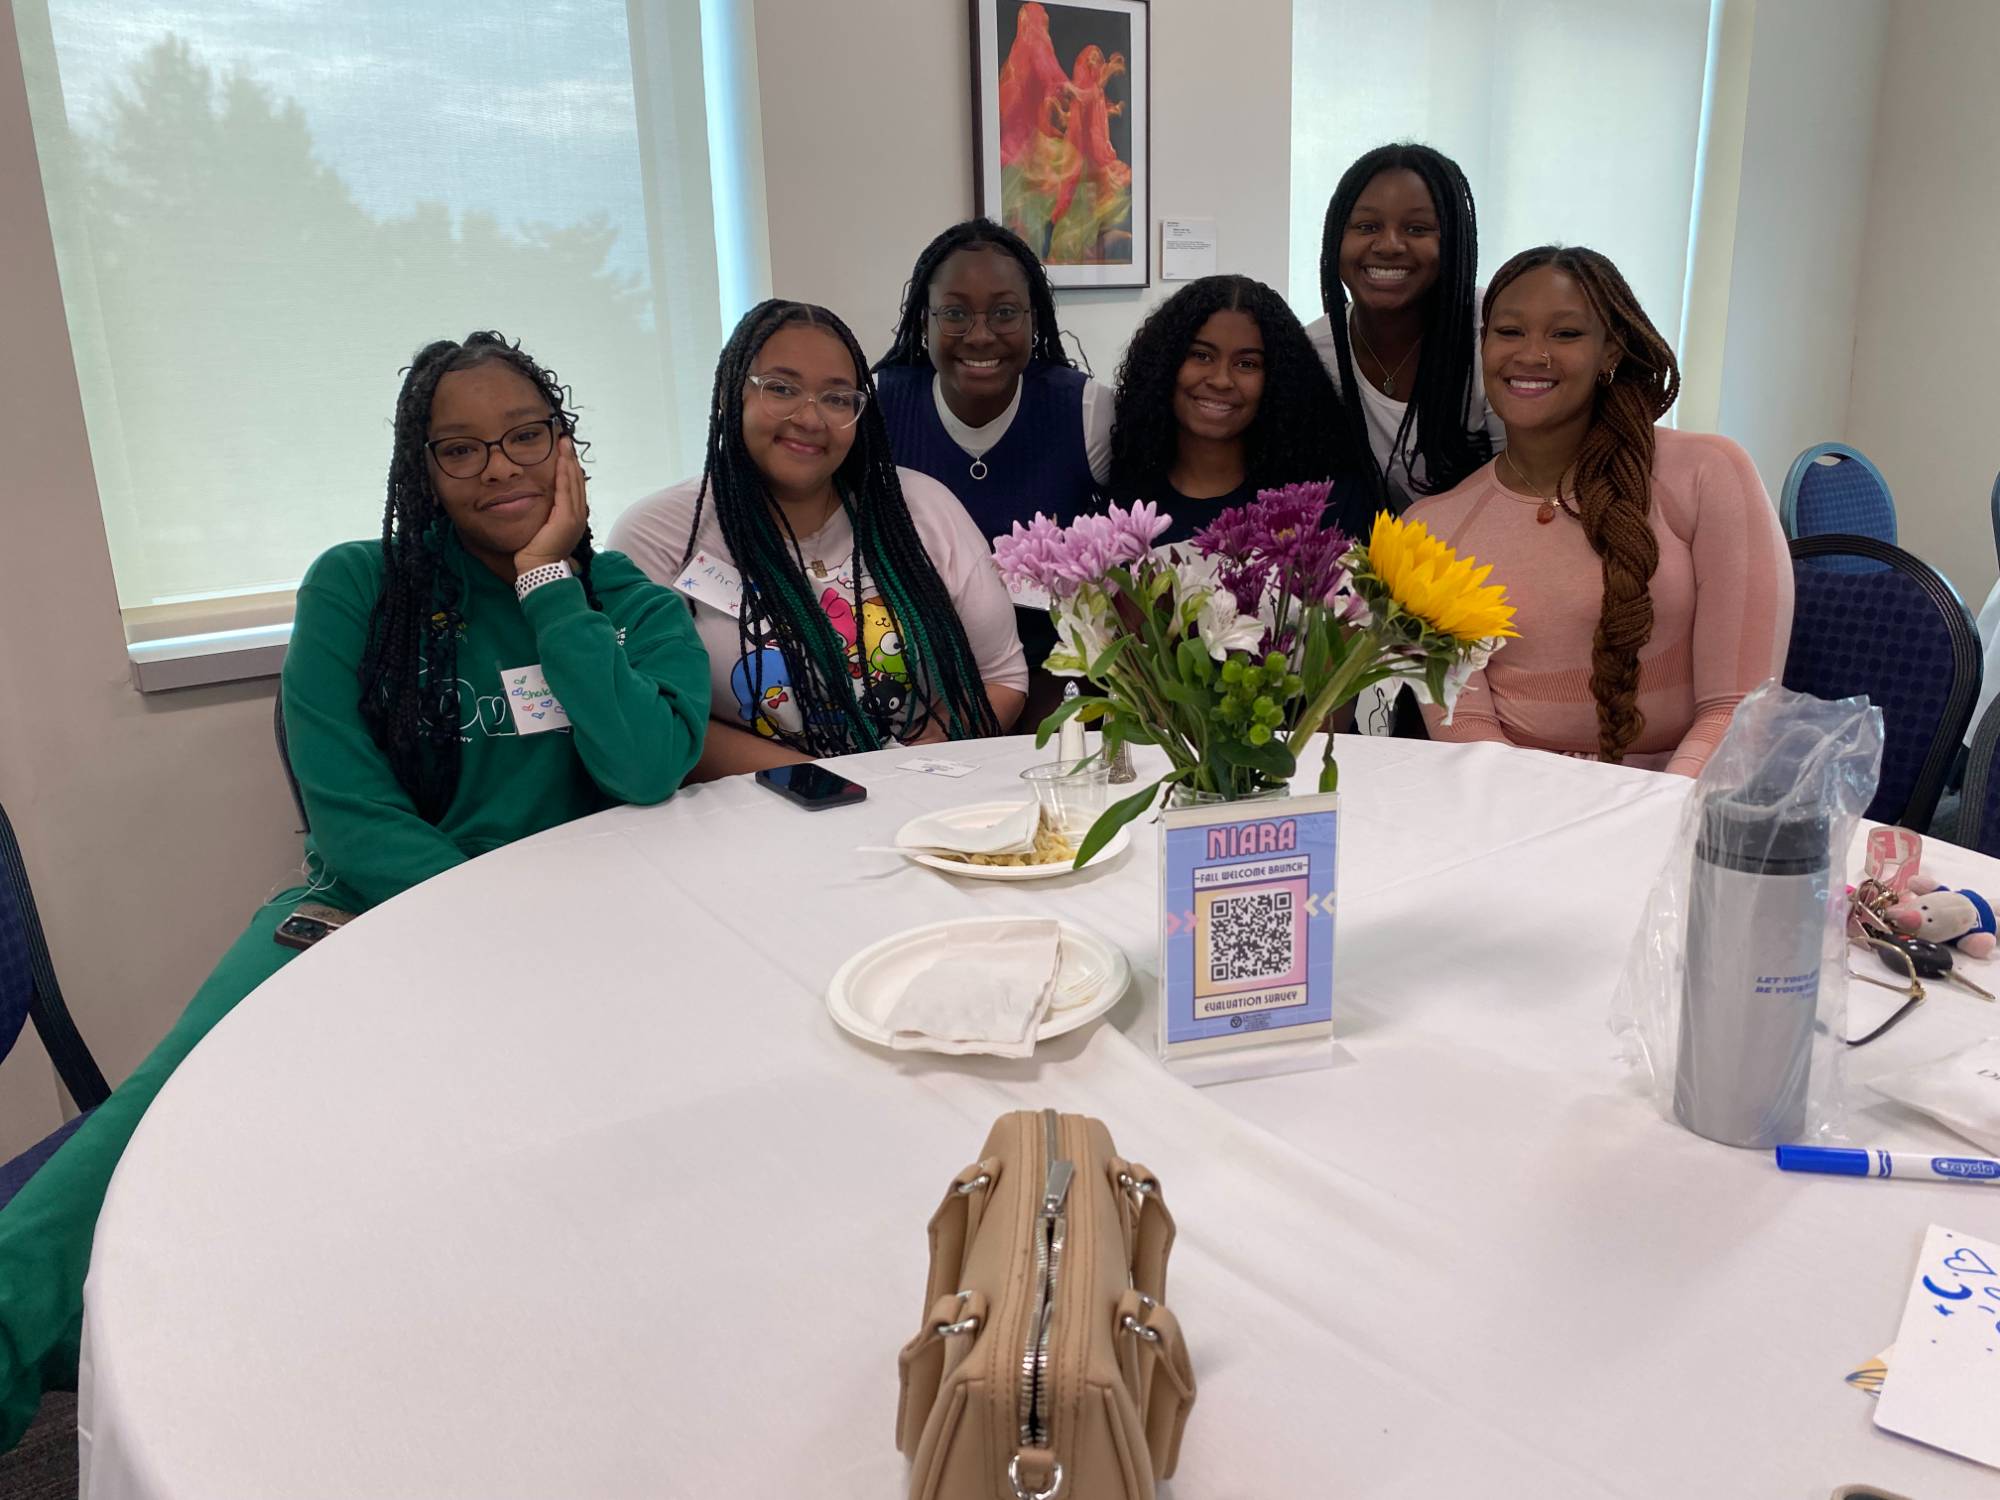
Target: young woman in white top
x,y
845,604
1402,242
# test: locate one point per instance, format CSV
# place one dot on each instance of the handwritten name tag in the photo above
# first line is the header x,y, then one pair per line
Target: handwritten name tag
x,y
534,707
713,582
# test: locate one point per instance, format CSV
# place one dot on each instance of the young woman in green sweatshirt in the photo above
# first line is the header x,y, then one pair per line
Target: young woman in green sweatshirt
x,y
478,675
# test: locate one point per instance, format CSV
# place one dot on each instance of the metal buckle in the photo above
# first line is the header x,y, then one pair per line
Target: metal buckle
x,y
1130,1324
1143,1186
963,1325
1021,1492
967,1189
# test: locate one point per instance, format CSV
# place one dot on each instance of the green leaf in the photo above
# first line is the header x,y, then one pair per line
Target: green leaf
x,y
1273,761
1062,711
1109,655
1329,770
1195,663
1115,817
1434,671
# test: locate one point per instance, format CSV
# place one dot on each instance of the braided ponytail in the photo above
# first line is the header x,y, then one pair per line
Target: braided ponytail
x,y
1613,479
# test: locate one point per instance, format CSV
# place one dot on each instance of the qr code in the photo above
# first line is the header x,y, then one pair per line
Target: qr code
x,y
1250,937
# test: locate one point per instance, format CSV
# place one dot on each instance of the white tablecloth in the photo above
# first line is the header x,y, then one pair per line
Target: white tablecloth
x,y
553,1177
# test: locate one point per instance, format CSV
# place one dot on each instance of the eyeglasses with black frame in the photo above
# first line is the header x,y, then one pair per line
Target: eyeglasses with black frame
x,y
958,321
1897,959
467,457
838,406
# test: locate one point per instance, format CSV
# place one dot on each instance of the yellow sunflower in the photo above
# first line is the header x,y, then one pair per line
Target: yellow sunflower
x,y
1427,579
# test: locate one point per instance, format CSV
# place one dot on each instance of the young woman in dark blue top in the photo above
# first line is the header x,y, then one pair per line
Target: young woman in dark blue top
x,y
977,391
978,394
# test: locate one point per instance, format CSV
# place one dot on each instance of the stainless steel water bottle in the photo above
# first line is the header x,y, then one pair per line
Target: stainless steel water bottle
x,y
1757,915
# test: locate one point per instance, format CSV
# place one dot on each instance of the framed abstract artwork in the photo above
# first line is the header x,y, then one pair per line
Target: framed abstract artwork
x,y
1062,131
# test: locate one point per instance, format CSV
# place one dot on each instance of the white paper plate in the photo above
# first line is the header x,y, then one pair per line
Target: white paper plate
x,y
985,814
1090,977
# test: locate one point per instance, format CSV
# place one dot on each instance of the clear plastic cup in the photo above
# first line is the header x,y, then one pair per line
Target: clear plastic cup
x,y
1071,793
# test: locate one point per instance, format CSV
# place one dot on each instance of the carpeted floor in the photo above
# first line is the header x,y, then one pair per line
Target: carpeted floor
x,y
43,1467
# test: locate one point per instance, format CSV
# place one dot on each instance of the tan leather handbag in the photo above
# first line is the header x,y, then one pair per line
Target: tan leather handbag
x,y
1048,1366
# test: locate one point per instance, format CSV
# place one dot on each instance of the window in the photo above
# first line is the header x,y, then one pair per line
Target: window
x,y
1575,121
262,208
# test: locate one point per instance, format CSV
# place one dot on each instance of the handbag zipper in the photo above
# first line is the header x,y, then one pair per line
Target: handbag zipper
x,y
1034,1394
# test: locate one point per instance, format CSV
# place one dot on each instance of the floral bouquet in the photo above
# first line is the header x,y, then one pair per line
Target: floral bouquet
x,y
1232,653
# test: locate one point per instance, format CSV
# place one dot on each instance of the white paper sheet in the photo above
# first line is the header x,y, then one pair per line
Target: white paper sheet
x,y
1944,1387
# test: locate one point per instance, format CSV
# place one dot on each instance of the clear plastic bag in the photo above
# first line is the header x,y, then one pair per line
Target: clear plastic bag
x,y
1733,1003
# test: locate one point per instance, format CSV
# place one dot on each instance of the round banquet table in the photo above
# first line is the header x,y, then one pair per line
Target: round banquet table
x,y
553,1177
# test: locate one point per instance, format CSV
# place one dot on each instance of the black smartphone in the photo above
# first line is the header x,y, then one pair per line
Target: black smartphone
x,y
811,786
308,923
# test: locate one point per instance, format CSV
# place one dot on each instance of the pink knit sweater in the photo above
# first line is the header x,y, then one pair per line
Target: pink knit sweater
x,y
1722,608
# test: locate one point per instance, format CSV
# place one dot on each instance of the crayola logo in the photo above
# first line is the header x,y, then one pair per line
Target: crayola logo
x,y
1959,1166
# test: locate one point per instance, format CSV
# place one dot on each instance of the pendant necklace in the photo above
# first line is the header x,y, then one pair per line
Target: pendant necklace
x,y
1545,511
1388,380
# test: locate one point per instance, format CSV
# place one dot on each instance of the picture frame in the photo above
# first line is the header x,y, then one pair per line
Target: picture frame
x,y
1062,133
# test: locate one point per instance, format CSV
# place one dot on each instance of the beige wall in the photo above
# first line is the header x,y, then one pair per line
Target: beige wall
x,y
860,174
1808,142
152,826
1926,402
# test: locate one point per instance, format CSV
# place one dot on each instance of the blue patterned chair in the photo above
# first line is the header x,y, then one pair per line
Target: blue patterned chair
x,y
1979,803
1995,503
1833,490
1899,635
28,992
285,760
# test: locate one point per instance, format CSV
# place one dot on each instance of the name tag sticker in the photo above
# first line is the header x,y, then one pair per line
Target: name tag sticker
x,y
713,582
933,767
534,707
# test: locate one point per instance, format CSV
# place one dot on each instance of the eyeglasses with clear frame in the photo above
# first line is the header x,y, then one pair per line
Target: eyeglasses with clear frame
x,y
839,406
467,457
958,321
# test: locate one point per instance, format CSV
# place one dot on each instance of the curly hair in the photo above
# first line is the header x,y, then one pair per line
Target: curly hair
x,y
975,234
1292,438
943,672
1441,389
1612,478
409,667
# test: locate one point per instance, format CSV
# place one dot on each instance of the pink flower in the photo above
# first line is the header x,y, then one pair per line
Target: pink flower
x,y
1031,554
1138,527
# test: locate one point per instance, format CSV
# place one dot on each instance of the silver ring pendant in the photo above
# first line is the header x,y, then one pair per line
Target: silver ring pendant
x,y
979,470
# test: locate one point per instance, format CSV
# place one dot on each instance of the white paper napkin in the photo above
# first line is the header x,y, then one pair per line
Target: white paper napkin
x,y
1013,834
988,991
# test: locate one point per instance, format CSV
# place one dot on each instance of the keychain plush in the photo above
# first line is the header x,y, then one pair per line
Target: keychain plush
x,y
1962,918
1903,898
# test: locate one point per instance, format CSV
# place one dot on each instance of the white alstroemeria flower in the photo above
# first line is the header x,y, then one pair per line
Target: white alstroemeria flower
x,y
1457,675
1224,629
1085,628
1195,576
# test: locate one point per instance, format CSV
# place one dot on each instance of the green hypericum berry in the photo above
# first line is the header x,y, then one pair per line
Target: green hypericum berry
x,y
1259,735
1275,664
1232,670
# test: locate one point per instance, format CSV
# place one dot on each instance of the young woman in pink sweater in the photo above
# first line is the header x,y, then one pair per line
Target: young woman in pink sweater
x,y
1650,578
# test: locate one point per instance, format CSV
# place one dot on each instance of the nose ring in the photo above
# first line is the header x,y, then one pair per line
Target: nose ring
x,y
1547,362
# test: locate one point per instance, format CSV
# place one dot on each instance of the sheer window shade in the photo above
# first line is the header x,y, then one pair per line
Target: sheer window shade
x,y
1575,121
262,208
